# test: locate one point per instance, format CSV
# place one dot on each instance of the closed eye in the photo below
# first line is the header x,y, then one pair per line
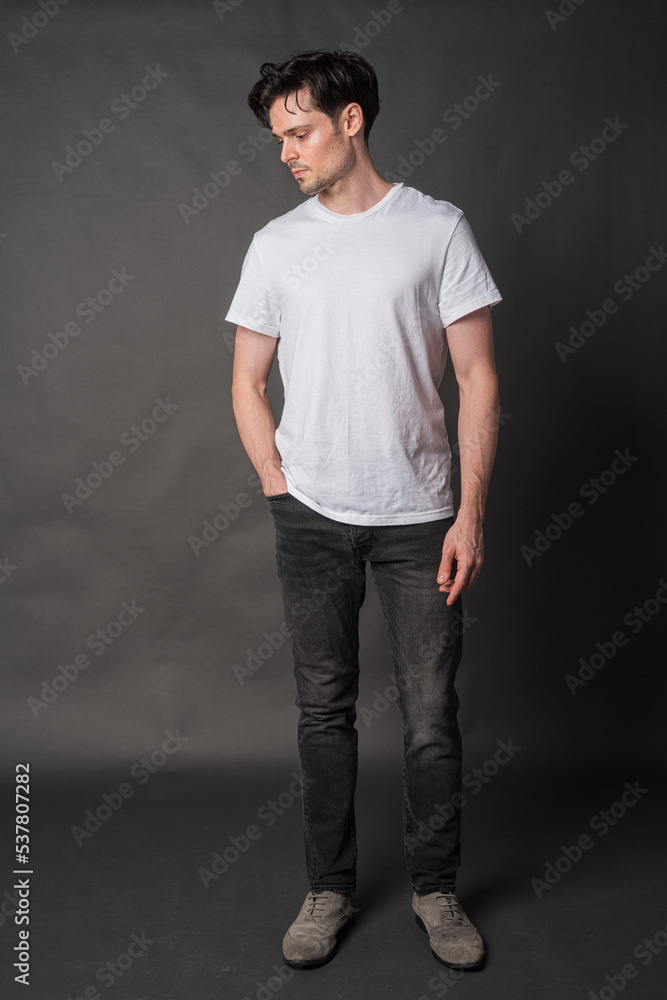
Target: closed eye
x,y
304,136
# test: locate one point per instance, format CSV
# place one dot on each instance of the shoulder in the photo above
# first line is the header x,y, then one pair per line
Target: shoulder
x,y
426,205
283,225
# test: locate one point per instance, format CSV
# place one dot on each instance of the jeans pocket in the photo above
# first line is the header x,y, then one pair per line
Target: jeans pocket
x,y
278,496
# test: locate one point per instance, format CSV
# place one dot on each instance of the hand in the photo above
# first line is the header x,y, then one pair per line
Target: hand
x,y
464,542
277,484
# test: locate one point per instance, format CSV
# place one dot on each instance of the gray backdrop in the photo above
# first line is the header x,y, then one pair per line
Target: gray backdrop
x,y
133,179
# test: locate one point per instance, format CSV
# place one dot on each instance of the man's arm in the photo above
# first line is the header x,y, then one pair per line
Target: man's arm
x,y
470,342
253,357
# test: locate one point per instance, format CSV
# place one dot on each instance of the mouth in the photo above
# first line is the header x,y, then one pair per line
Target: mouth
x,y
297,173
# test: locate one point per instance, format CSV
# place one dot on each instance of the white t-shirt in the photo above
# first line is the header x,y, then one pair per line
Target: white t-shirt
x,y
360,303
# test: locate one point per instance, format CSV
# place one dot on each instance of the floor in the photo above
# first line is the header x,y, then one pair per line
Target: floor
x,y
134,909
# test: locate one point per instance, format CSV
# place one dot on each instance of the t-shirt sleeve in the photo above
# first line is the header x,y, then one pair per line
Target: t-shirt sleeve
x,y
466,280
253,305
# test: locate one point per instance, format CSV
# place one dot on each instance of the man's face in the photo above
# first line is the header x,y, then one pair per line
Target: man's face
x,y
310,143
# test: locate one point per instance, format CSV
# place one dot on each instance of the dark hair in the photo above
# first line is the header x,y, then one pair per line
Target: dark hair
x,y
334,79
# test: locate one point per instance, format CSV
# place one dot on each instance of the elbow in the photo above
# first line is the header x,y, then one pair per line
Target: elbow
x,y
242,388
480,383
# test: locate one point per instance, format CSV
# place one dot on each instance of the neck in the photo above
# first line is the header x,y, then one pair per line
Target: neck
x,y
356,192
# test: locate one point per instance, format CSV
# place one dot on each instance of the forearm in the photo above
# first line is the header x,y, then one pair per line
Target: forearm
x,y
479,412
257,430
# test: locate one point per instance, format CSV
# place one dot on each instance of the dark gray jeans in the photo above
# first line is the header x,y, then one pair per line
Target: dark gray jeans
x,y
322,573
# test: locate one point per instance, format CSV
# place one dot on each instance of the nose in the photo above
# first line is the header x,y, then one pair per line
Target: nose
x,y
288,151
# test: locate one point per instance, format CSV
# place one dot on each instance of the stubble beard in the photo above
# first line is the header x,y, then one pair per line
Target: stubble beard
x,y
340,163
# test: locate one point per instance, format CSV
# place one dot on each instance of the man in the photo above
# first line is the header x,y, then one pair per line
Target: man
x,y
365,287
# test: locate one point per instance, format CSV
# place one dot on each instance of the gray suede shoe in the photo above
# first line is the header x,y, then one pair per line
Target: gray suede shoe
x,y
455,942
313,937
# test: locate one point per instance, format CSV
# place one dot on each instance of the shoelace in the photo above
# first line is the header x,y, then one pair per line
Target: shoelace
x,y
448,901
316,899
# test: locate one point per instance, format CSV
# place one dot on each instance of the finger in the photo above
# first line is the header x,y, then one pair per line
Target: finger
x,y
464,580
453,595
445,571
459,583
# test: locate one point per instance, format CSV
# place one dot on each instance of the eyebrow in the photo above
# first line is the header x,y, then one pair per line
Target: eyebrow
x,y
297,128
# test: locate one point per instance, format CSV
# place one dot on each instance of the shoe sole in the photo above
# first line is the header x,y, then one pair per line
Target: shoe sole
x,y
469,966
315,963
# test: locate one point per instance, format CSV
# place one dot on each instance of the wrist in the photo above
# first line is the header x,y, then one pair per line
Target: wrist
x,y
470,515
274,483
270,472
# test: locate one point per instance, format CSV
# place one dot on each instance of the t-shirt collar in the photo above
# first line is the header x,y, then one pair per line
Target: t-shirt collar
x,y
319,209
